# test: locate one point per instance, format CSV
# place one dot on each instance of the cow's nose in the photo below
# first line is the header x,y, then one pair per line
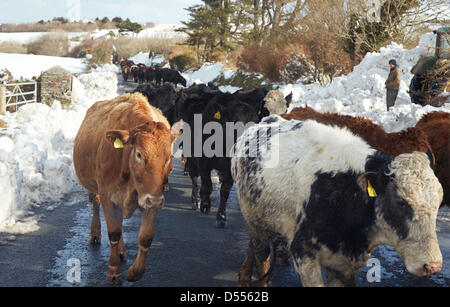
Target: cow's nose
x,y
431,268
154,201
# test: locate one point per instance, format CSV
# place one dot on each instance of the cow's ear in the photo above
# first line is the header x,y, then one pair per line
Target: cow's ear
x,y
177,129
118,138
368,183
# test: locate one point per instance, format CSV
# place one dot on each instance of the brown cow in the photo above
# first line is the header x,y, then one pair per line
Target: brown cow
x,y
436,126
126,68
395,143
122,156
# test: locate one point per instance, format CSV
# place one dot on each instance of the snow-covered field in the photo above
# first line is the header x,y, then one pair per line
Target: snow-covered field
x,y
27,66
158,31
36,148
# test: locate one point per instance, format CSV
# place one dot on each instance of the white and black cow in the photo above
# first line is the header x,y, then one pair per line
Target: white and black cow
x,y
333,199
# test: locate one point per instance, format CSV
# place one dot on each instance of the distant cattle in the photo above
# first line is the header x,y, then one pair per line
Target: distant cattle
x,y
436,126
126,68
333,199
123,156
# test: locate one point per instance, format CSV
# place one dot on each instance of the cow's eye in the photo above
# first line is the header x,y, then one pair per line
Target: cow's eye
x,y
138,156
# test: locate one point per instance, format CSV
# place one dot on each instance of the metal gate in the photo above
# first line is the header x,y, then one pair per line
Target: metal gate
x,y
15,94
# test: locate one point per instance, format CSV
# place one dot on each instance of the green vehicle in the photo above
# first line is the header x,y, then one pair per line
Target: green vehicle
x,y
432,74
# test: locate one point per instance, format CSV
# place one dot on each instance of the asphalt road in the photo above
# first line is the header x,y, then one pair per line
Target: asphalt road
x,y
187,251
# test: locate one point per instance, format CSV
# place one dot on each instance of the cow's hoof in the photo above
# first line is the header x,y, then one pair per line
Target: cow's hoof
x,y
134,275
195,203
114,280
205,209
221,220
95,240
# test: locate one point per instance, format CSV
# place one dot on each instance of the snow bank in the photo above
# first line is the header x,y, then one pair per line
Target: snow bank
x,y
362,92
143,58
27,66
207,73
36,151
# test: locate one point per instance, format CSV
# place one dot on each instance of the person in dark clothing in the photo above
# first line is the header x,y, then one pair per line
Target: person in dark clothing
x,y
393,83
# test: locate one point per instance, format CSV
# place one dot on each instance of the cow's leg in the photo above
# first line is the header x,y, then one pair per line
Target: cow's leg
x,y
195,193
145,238
340,279
205,191
225,188
308,269
122,249
96,232
113,217
166,185
282,252
246,270
262,261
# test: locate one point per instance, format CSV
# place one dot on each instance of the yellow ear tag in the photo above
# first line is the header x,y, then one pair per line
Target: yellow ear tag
x,y
218,115
259,113
371,190
118,143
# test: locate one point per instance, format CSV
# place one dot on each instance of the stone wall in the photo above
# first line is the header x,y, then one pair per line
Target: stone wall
x,y
55,84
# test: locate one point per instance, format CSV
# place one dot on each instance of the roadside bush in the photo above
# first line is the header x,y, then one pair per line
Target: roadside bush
x,y
184,61
267,60
80,50
102,52
54,44
11,47
243,80
127,47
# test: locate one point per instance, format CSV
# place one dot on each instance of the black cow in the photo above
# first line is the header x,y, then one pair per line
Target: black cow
x,y
163,97
221,108
172,76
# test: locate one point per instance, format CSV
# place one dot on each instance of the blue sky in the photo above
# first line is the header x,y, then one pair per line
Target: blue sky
x,y
157,11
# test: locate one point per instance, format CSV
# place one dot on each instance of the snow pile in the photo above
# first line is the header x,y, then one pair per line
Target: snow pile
x,y
36,151
360,93
101,83
144,58
207,73
363,93
27,66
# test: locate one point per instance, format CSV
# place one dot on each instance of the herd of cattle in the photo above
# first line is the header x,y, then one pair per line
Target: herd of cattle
x,y
141,73
341,185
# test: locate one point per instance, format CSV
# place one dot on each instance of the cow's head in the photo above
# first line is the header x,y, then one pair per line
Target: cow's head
x,y
407,198
147,159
